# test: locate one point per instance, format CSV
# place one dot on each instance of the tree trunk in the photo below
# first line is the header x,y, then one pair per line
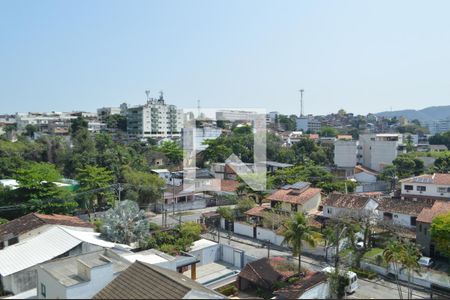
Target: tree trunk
x,y
300,262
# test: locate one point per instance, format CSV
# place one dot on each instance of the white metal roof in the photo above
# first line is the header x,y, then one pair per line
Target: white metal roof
x,y
36,250
92,238
202,244
160,171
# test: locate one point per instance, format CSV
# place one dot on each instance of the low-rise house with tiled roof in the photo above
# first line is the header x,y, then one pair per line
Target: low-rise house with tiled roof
x,y
424,220
33,224
402,212
338,204
298,197
365,175
264,273
145,281
436,186
312,286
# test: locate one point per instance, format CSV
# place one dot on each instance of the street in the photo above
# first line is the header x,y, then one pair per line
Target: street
x,y
368,289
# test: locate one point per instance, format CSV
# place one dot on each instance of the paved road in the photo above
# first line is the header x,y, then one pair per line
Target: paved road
x,y
189,215
368,289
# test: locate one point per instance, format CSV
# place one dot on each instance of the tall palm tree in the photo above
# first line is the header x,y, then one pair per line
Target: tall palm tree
x,y
409,260
393,255
296,231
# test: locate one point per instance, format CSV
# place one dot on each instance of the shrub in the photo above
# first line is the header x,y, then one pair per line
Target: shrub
x,y
98,223
228,290
153,226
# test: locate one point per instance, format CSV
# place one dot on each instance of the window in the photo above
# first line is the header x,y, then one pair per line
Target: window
x,y
396,216
448,190
442,190
2,245
424,231
329,211
420,227
43,290
387,216
413,221
409,187
421,188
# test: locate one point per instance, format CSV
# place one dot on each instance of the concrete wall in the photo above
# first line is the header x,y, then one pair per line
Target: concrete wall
x,y
207,255
345,153
364,177
431,190
20,281
54,289
243,229
198,203
100,277
312,204
400,219
423,237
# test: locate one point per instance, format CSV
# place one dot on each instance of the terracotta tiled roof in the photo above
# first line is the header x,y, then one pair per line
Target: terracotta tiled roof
x,y
265,272
229,185
344,137
437,178
352,201
295,290
428,214
359,169
406,206
294,196
34,220
257,211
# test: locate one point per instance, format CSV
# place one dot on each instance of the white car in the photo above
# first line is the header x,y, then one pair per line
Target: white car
x,y
425,261
359,245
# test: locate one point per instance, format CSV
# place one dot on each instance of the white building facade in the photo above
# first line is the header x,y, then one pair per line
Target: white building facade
x,y
155,119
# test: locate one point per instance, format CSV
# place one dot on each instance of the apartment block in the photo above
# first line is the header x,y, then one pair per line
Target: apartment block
x,y
155,119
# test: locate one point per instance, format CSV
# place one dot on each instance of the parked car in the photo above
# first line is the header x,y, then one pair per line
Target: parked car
x,y
425,261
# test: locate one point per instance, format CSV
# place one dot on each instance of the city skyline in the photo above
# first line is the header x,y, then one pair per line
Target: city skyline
x,y
362,57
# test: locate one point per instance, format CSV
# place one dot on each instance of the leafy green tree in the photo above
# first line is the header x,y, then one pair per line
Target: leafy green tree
x,y
190,231
328,131
289,123
30,130
3,221
440,233
172,150
77,125
408,166
440,139
442,164
38,192
306,172
117,121
296,231
147,186
244,205
125,224
95,181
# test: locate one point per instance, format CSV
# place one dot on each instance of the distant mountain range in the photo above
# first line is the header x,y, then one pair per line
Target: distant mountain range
x,y
424,115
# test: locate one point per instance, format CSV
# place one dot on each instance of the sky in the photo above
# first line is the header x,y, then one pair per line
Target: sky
x,y
362,56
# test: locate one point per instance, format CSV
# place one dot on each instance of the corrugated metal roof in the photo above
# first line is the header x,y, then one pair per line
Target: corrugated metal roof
x,y
36,250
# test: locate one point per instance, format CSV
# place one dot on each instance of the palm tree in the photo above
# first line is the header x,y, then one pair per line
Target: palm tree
x,y
296,231
393,254
409,261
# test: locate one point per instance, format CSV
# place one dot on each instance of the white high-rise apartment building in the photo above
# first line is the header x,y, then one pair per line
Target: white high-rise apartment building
x,y
375,151
155,119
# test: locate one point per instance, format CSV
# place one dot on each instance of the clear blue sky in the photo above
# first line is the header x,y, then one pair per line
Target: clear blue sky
x,y
363,56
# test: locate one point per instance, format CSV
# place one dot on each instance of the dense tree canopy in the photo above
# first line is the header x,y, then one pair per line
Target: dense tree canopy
x,y
440,232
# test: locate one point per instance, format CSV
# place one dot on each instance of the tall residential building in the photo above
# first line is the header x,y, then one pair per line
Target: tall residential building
x,y
155,119
375,151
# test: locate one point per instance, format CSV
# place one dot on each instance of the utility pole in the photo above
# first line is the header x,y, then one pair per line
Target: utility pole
x,y
301,102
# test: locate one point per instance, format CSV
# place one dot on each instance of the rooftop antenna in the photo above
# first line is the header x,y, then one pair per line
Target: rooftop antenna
x,y
301,102
147,93
198,108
